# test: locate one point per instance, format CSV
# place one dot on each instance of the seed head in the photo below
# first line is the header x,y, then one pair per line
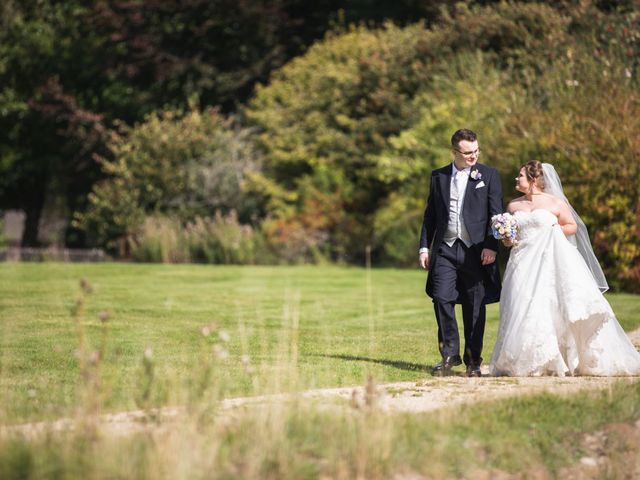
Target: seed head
x,y
220,352
86,286
94,358
148,353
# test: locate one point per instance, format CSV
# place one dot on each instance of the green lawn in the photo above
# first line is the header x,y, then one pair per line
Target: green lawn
x,y
301,327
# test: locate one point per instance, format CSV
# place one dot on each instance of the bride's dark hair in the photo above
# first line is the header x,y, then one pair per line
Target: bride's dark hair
x,y
534,174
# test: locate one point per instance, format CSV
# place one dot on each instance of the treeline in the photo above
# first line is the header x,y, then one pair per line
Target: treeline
x,y
185,132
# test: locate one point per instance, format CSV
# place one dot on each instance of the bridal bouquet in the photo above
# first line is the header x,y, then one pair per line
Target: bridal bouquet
x,y
504,226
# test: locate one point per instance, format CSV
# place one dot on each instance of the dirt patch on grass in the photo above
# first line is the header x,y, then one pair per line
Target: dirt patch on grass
x,y
427,395
434,394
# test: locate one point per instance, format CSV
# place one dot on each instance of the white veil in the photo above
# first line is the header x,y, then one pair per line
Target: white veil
x,y
581,240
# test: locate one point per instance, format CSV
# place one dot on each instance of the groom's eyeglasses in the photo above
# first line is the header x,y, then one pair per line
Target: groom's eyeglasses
x,y
468,154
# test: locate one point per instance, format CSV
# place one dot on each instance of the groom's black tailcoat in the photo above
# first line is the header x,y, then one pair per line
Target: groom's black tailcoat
x,y
483,199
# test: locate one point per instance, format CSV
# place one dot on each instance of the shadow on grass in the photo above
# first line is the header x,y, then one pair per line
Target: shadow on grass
x,y
412,367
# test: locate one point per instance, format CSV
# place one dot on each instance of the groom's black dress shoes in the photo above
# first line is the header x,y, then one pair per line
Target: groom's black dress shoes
x,y
473,369
444,367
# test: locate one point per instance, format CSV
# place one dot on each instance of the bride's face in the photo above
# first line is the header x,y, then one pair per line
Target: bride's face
x,y
522,184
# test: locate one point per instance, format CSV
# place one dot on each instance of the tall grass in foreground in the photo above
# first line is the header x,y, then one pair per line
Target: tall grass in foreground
x,y
312,439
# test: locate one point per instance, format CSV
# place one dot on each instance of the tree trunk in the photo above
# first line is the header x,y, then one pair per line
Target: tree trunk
x,y
33,211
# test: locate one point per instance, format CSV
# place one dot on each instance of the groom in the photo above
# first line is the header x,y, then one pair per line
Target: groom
x,y
457,247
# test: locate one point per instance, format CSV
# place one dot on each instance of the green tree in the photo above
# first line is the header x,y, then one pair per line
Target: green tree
x,y
592,140
69,70
47,135
332,112
452,100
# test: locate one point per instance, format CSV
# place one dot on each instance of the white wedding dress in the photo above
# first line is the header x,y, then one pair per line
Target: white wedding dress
x,y
553,318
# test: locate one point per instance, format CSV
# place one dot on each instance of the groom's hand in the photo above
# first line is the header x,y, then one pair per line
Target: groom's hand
x,y
487,256
424,260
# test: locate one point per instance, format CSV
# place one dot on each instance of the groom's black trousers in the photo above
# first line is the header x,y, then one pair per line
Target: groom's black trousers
x,y
458,274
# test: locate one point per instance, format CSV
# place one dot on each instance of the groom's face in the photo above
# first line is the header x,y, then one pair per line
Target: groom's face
x,y
466,154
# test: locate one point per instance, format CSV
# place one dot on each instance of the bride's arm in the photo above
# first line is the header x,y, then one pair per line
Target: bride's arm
x,y
566,221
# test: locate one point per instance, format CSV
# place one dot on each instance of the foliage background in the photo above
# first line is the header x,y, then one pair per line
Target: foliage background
x,y
233,132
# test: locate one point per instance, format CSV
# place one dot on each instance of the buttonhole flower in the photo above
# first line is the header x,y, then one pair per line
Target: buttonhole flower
x,y
476,175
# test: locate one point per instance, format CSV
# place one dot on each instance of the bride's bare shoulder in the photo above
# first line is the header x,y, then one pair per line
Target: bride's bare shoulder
x,y
559,205
551,201
556,200
516,204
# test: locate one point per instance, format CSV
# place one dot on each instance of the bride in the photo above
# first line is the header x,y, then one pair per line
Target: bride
x,y
554,319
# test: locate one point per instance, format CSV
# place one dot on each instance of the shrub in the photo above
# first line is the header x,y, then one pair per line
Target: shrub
x,y
162,240
114,215
183,165
223,239
218,240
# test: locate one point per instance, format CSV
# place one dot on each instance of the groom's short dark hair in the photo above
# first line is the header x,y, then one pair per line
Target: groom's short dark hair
x,y
463,134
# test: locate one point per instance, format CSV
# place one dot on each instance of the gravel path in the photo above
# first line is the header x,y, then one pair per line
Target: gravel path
x,y
423,396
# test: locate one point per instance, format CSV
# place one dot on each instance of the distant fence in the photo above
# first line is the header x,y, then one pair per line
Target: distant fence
x,y
14,254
